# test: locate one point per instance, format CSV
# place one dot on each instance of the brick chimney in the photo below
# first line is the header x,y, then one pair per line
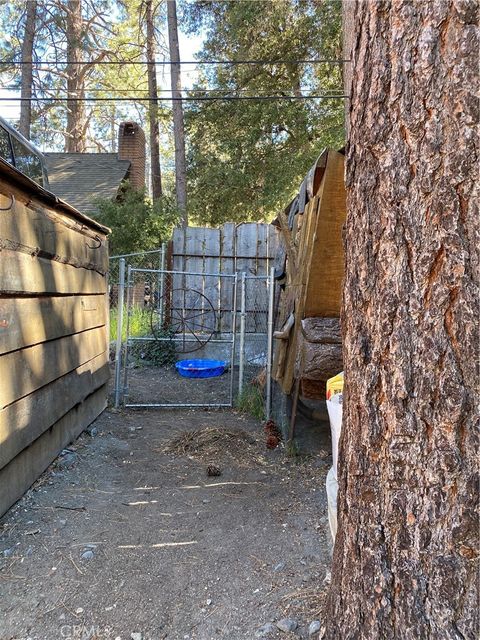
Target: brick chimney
x,y
131,146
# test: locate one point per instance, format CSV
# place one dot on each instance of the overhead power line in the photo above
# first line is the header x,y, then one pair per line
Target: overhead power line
x,y
161,63
193,90
184,99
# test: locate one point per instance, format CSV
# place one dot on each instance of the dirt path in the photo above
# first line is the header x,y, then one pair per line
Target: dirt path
x,y
128,535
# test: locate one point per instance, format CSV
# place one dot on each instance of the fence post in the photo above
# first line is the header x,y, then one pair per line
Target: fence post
x,y
234,335
161,286
118,346
241,362
129,312
271,298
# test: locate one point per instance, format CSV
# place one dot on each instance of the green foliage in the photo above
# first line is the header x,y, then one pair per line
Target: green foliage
x,y
247,158
139,322
149,352
251,401
137,224
158,353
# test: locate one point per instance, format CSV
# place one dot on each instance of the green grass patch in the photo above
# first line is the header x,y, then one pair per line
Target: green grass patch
x,y
139,323
251,401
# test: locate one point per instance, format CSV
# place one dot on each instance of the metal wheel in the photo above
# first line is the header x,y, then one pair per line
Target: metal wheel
x,y
187,317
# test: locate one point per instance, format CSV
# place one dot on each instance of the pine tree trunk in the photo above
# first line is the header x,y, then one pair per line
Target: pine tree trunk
x,y
27,69
404,563
178,128
155,169
76,116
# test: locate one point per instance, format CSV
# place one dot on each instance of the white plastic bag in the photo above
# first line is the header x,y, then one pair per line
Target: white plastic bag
x,y
332,492
334,408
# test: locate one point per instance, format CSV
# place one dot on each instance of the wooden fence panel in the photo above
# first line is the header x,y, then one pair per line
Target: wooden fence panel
x,y
232,248
227,265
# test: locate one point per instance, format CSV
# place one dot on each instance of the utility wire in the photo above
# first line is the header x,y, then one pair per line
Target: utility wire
x,y
170,62
196,90
172,99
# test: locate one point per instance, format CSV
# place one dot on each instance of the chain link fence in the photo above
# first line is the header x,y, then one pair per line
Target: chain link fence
x,y
153,259
177,324
160,317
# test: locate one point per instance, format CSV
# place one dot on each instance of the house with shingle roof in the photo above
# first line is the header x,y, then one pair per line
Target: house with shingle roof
x,y
81,178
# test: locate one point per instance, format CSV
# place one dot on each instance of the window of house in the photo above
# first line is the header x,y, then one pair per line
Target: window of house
x,y
27,162
5,148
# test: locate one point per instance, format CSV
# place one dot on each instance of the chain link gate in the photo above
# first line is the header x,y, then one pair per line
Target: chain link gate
x,y
172,316
165,316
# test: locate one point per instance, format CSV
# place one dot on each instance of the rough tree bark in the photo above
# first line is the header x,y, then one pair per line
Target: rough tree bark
x,y
75,136
177,107
27,69
155,168
405,554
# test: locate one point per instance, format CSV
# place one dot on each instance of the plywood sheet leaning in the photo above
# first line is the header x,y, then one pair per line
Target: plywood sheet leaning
x,y
323,292
314,271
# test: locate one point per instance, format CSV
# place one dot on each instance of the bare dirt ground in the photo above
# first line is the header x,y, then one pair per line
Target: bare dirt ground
x,y
147,384
126,534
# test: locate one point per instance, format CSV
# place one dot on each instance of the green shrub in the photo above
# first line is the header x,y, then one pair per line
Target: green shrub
x,y
159,353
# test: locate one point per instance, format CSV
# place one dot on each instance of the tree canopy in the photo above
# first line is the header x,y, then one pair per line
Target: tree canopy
x,y
136,222
244,157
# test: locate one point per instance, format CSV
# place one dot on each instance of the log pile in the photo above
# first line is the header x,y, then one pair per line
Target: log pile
x,y
308,337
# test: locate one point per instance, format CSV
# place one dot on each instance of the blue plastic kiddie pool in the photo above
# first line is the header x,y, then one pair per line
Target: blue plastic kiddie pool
x,y
200,368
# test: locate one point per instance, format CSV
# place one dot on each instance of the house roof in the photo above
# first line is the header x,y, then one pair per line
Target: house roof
x,y
18,179
80,178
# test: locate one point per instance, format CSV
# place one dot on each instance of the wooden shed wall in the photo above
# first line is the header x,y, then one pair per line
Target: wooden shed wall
x,y
53,329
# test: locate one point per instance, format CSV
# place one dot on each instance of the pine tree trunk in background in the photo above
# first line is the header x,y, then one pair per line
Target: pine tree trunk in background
x,y
404,564
76,116
155,169
178,128
27,69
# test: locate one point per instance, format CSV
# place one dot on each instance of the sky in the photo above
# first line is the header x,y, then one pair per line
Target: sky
x,y
189,46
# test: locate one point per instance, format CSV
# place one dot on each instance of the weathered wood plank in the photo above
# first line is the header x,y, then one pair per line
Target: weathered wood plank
x,y
21,472
212,285
227,265
247,240
29,192
194,263
25,420
22,372
54,235
178,249
29,321
20,272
